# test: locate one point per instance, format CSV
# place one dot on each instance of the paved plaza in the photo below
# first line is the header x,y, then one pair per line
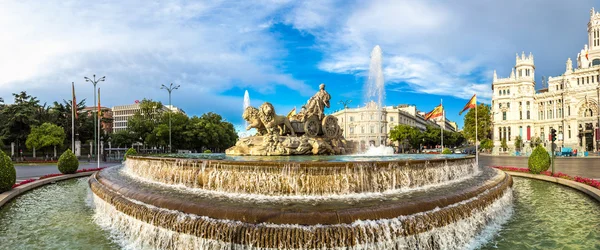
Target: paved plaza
x,y
574,166
25,172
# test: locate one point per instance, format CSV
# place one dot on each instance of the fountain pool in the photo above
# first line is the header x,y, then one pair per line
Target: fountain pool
x,y
61,216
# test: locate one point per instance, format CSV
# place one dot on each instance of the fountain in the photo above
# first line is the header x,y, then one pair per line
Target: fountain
x,y
268,193
245,133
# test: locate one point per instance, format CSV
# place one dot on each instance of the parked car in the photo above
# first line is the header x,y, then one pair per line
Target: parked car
x,y
469,150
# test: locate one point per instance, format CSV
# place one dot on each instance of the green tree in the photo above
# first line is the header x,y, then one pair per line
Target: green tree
x,y
535,141
144,121
84,124
503,144
402,134
19,118
518,143
122,138
68,163
483,123
539,160
486,144
44,136
179,124
210,132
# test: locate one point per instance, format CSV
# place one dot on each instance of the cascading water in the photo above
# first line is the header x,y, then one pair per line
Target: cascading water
x,y
186,203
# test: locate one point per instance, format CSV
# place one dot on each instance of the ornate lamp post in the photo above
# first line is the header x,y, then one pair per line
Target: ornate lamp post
x,y
95,81
345,104
170,89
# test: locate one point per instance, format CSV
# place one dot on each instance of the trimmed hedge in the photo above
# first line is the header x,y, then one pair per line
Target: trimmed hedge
x,y
207,151
68,163
447,151
539,161
130,151
8,174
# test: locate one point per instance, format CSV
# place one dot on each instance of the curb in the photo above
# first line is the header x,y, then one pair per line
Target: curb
x,y
591,191
9,195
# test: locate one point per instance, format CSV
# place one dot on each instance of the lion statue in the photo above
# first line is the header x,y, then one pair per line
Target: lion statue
x,y
251,116
271,120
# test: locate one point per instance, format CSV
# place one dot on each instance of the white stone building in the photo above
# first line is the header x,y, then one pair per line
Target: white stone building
x,y
568,104
365,126
122,113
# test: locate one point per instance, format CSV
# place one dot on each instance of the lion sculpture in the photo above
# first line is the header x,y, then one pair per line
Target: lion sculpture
x,y
272,121
251,115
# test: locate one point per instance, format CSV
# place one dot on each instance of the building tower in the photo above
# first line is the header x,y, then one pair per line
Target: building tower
x,y
594,30
513,103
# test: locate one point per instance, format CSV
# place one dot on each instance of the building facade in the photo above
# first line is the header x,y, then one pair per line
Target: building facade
x,y
569,102
121,114
370,125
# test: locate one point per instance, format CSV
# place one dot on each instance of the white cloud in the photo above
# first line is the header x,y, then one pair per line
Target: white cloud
x,y
207,47
447,48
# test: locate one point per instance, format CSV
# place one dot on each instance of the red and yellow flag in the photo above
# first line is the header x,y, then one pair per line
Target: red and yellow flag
x,y
99,109
436,112
587,54
74,104
471,104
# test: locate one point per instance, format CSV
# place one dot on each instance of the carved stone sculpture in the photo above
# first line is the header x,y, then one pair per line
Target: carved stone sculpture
x,y
308,132
272,121
251,116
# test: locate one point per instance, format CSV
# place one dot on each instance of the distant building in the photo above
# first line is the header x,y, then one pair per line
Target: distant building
x,y
568,103
122,113
369,125
106,113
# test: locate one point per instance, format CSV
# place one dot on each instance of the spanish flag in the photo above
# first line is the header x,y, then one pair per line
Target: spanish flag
x,y
587,54
291,113
436,112
74,104
471,104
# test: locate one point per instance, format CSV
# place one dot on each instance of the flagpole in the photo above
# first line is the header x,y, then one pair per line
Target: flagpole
x,y
73,110
476,148
98,146
443,123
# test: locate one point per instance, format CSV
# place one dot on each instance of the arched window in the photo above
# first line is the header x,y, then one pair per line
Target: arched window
x,y
588,113
595,62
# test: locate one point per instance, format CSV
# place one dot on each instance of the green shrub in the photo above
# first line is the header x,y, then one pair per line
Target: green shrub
x,y
68,163
130,151
8,174
207,151
539,160
447,151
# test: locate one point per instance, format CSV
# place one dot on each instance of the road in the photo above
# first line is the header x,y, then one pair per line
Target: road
x,y
576,166
27,172
573,166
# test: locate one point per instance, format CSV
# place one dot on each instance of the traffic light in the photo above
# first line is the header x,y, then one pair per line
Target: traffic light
x,y
553,134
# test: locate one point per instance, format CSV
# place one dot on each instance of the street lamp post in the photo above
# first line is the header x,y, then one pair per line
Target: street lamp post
x,y
170,89
94,81
345,104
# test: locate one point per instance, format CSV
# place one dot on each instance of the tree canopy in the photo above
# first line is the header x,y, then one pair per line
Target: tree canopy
x,y
46,135
484,123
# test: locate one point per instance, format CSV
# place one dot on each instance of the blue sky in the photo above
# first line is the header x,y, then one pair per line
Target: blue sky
x,y
279,50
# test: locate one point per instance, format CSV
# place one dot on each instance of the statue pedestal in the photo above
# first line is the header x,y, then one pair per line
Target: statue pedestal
x,y
274,145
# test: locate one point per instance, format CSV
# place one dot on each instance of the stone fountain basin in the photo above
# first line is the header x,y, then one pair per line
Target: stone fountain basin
x,y
476,192
283,177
